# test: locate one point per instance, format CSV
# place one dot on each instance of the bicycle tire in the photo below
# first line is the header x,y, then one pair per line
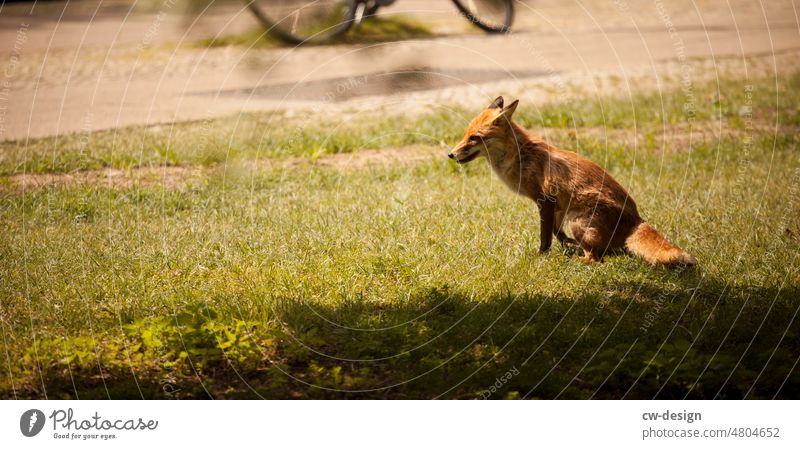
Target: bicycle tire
x,y
484,24
275,29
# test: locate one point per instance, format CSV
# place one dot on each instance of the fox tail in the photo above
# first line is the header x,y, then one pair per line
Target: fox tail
x,y
653,247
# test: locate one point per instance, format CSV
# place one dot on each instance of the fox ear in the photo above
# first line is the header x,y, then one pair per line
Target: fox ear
x,y
507,112
497,103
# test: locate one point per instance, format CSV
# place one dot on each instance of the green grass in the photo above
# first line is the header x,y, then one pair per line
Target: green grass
x,y
409,281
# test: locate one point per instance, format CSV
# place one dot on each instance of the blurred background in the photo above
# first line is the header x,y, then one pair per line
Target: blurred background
x,y
97,64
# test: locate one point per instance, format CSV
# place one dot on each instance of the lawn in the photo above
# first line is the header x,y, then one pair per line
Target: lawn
x,y
259,271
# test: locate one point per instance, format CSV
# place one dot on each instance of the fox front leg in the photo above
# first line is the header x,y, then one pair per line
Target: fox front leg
x,y
547,211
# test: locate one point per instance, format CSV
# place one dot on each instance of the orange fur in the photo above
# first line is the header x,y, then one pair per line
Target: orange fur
x,y
570,190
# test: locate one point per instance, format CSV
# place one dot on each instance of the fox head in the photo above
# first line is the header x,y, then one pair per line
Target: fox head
x,y
486,134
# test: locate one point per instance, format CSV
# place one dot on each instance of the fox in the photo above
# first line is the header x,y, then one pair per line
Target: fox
x,y
570,191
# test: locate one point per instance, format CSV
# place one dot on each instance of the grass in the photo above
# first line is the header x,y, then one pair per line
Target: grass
x,y
410,281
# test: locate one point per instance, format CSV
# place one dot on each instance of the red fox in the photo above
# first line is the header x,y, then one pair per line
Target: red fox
x,y
568,189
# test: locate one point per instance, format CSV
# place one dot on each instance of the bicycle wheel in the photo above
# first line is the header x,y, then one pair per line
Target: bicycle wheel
x,y
493,16
303,21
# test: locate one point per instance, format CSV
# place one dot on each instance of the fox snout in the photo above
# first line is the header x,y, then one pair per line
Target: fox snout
x,y
464,153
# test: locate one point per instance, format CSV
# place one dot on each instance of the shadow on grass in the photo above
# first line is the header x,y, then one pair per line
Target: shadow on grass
x,y
372,30
692,339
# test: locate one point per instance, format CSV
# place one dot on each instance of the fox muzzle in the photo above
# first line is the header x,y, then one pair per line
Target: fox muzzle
x,y
463,155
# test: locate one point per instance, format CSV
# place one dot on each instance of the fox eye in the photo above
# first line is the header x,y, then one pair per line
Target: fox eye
x,y
474,138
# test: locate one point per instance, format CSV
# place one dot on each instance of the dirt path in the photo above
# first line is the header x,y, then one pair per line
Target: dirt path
x,y
168,177
177,177
78,73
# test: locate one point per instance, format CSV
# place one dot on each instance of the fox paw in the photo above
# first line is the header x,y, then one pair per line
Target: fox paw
x,y
589,258
569,248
